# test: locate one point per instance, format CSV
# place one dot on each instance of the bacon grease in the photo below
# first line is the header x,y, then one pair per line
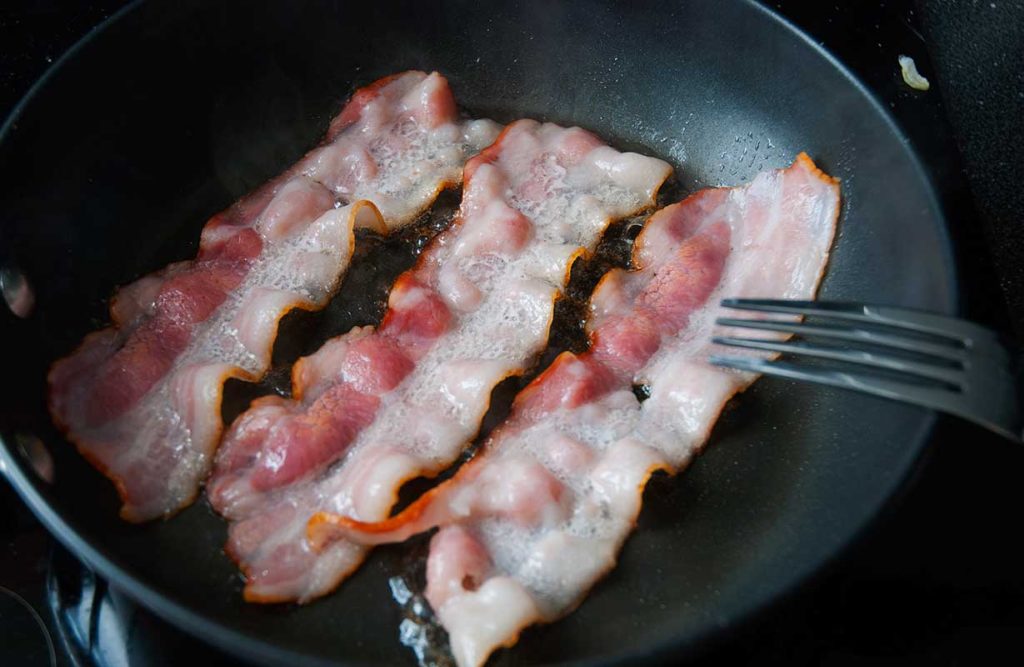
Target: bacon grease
x,y
376,407
538,516
141,399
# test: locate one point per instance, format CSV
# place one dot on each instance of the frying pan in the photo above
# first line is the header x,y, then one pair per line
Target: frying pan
x,y
170,111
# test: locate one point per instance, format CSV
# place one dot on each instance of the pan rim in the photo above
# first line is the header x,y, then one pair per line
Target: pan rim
x,y
255,649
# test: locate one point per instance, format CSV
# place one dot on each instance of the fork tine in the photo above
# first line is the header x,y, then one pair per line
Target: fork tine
x,y
849,334
949,376
928,397
957,331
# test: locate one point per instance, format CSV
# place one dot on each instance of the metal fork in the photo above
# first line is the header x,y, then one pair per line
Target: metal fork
x,y
907,355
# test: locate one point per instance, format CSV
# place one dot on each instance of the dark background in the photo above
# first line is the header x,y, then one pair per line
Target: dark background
x,y
939,579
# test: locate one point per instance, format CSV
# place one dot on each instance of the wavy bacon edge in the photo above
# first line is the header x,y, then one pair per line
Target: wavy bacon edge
x,y
486,156
250,595
256,199
326,527
357,220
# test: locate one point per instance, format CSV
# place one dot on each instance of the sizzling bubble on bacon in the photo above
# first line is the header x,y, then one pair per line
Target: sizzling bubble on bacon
x,y
538,516
475,310
141,399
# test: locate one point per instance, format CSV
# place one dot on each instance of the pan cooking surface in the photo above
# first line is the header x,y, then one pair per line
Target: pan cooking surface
x,y
174,110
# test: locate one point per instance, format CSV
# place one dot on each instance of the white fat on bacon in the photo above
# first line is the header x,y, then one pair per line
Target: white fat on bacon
x,y
534,520
535,200
141,399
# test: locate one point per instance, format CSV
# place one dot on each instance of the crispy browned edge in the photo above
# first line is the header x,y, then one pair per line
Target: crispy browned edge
x,y
487,155
360,97
81,444
324,520
321,520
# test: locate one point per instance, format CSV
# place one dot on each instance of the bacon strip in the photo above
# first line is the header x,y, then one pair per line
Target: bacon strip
x,y
141,399
531,523
402,401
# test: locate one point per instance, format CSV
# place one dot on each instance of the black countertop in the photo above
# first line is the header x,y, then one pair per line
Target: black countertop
x,y
940,576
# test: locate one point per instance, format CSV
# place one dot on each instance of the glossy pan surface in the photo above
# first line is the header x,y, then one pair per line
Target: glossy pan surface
x,y
172,110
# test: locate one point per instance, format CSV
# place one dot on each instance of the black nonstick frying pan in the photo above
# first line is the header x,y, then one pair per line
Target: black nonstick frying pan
x,y
172,110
